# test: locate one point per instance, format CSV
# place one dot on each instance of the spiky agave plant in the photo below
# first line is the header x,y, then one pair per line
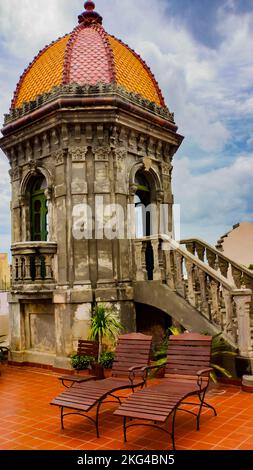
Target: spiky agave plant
x,y
220,348
105,323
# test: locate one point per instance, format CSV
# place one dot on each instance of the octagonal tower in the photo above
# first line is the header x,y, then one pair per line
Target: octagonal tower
x,y
88,129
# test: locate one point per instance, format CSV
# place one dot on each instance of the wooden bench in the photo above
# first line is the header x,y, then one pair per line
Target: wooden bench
x,y
128,372
187,374
84,348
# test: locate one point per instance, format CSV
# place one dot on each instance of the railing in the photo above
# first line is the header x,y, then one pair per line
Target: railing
x,y
216,297
33,263
241,275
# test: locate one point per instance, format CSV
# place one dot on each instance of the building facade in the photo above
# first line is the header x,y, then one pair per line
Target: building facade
x,y
4,272
88,136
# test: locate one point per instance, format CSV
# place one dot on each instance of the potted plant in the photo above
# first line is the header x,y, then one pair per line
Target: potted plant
x,y
105,323
82,363
106,361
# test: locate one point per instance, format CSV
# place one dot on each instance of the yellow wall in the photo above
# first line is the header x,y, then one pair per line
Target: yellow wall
x,y
4,272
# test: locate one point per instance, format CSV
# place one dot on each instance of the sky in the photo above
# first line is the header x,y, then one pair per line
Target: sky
x,y
200,51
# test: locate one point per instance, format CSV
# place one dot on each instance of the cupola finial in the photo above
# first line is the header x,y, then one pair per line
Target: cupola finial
x,y
90,16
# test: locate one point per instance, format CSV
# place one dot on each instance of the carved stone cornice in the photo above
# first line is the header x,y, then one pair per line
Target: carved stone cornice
x,y
100,89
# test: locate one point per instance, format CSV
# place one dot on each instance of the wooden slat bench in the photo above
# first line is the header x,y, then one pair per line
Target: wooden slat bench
x,y
132,355
84,348
187,374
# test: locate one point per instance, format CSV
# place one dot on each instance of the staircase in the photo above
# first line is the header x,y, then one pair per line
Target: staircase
x,y
198,286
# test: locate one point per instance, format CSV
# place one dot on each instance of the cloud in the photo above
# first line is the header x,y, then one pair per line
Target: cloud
x,y
215,199
4,205
207,83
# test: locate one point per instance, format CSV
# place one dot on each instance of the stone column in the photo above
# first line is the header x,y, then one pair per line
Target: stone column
x,y
242,301
17,330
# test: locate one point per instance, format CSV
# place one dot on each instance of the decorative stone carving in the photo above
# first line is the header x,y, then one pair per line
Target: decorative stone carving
x,y
58,156
132,141
167,169
49,193
159,149
45,144
147,162
102,152
15,173
132,190
142,145
120,154
78,154
33,167
151,147
114,136
28,150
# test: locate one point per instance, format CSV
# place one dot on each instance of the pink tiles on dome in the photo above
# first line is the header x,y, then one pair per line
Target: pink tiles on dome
x,y
89,62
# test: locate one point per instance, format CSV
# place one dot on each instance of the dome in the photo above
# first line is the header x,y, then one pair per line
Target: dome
x,y
87,56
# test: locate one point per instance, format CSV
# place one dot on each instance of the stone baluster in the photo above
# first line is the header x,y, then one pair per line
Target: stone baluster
x,y
242,301
179,281
162,263
27,269
204,305
48,267
169,265
230,325
215,302
211,258
223,266
248,282
140,267
191,282
38,265
156,272
15,275
200,249
191,247
237,276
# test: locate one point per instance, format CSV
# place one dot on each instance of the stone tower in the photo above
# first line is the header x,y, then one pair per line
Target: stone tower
x,y
88,132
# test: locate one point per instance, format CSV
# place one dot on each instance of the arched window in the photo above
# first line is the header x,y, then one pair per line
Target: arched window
x,y
39,210
142,200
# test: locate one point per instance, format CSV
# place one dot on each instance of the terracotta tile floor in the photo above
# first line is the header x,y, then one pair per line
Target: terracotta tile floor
x,y
27,421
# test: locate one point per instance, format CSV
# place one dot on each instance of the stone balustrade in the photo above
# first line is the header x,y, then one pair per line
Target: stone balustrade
x,y
221,301
241,275
33,263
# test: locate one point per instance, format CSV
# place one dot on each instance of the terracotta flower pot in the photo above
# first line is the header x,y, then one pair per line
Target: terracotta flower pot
x,y
98,371
107,373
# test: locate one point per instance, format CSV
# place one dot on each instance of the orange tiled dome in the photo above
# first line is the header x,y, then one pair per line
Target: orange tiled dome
x,y
88,55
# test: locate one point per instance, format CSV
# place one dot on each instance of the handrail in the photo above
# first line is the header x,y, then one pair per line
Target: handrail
x,y
201,264
221,299
218,253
